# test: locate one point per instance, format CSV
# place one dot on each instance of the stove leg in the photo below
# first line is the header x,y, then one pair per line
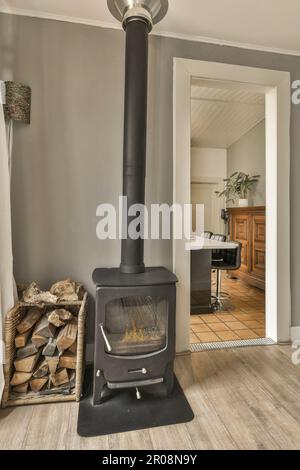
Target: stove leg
x,y
99,388
169,378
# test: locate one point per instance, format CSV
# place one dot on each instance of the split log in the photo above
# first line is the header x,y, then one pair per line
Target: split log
x,y
30,319
37,384
44,328
29,350
52,363
27,364
50,348
73,348
67,291
41,370
67,360
64,389
60,377
39,340
67,335
59,317
21,388
21,339
20,378
72,379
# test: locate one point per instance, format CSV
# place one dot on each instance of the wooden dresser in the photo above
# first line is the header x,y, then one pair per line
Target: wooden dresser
x,y
247,225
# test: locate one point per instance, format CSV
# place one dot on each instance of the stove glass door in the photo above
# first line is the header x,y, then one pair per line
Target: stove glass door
x,y
136,325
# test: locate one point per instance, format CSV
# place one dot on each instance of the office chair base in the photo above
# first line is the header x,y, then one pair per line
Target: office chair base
x,y
217,305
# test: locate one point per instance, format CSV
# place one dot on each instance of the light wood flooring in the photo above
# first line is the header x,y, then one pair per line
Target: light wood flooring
x,y
242,399
242,316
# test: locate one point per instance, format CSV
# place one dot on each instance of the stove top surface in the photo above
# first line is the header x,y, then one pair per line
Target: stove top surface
x,y
112,277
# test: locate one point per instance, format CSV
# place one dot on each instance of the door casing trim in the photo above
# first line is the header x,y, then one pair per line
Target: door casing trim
x,y
276,87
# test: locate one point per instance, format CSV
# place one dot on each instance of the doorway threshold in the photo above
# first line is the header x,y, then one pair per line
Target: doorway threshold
x,y
198,347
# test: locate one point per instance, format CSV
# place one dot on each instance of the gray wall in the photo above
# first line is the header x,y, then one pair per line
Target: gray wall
x,y
248,154
70,158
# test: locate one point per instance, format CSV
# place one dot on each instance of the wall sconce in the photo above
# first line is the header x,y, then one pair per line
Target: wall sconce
x,y
17,102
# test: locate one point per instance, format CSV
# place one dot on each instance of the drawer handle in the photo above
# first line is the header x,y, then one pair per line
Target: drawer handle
x,y
138,371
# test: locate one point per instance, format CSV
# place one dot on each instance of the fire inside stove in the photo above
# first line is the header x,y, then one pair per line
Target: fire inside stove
x,y
136,325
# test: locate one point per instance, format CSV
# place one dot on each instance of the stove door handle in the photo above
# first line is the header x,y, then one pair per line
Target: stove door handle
x,y
108,346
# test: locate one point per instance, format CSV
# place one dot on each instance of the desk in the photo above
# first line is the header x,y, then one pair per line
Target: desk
x,y
201,259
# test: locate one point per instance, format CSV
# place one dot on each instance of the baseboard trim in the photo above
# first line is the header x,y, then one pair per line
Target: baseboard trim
x,y
295,333
183,353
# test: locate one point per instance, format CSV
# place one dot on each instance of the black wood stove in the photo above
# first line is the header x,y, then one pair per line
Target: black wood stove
x,y
135,306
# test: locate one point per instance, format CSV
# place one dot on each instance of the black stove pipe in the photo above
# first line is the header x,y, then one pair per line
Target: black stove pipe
x,y
135,134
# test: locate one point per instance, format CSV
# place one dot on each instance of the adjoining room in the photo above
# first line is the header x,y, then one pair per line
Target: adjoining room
x,y
228,166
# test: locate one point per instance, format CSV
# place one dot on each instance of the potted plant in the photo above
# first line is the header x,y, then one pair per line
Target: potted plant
x,y
237,186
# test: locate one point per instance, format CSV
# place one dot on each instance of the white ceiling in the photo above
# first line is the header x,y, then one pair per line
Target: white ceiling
x,y
221,114
259,24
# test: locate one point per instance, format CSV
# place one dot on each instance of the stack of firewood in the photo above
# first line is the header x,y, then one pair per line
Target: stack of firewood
x,y
46,346
46,341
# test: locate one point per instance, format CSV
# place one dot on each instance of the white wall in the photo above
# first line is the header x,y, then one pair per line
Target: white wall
x,y
248,154
209,163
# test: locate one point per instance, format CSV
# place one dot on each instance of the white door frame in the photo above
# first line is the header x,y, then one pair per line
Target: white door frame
x,y
276,86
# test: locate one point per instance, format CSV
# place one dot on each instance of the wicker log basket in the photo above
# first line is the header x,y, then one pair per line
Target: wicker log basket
x,y
12,320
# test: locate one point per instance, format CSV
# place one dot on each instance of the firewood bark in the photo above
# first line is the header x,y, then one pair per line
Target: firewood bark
x,y
26,364
73,348
41,370
39,340
37,384
44,328
67,336
67,290
52,363
34,295
29,350
30,319
67,360
50,348
21,339
20,378
72,379
21,388
60,377
59,317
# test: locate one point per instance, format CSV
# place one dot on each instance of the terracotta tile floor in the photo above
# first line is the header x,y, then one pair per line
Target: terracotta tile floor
x,y
242,315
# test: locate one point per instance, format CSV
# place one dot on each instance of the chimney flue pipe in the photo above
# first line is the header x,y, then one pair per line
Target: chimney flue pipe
x,y
137,17
135,134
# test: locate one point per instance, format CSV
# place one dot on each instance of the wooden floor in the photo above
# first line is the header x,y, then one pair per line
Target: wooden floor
x,y
241,317
242,399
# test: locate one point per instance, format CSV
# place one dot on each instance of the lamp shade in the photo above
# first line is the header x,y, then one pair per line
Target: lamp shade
x,y
18,102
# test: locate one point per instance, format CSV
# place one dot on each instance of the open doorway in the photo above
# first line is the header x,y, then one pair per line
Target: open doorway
x,y
275,85
228,155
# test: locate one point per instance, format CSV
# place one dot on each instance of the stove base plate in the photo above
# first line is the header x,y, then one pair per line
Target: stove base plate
x,y
124,413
